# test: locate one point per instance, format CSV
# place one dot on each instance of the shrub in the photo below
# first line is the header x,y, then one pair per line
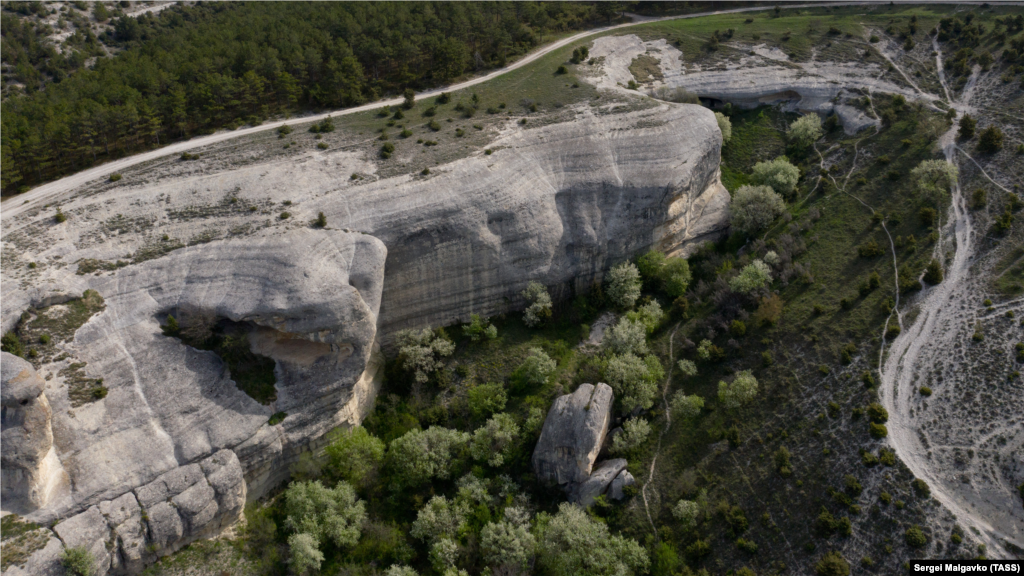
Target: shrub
x,y
928,216
486,399
580,54
321,220
887,457
686,512
753,208
60,217
284,215
782,463
322,145
832,564
741,390
114,177
624,285
725,126
925,391
768,311
686,407
421,455
480,328
562,70
915,537
878,431
11,344
626,337
779,174
421,351
434,125
979,198
539,308
869,249
752,277
410,98
78,561
737,328
634,380
991,140
571,542
635,432
535,370
805,130
934,178
494,441
387,150
967,127
921,488
933,274
877,413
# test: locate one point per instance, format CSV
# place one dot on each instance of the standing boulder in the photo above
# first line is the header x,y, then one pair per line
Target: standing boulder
x,y
32,473
573,433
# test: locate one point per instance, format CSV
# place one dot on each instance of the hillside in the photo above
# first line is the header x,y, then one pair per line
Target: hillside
x,y
783,246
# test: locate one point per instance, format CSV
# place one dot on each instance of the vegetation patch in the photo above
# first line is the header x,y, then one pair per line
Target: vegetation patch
x,y
21,539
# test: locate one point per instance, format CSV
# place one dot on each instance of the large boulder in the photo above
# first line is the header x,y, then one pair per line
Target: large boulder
x,y
598,482
32,474
573,434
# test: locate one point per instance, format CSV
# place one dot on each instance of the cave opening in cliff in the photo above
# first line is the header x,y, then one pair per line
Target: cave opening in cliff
x,y
203,330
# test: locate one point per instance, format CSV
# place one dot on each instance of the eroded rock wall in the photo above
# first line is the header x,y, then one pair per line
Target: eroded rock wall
x,y
557,204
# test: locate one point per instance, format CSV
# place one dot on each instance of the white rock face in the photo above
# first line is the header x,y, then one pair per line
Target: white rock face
x,y
32,473
573,434
557,204
766,77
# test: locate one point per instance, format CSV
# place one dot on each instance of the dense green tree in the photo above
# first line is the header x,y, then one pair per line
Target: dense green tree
x,y
355,456
539,308
778,173
754,208
494,441
571,543
624,285
741,390
421,455
628,336
805,130
535,369
634,380
316,514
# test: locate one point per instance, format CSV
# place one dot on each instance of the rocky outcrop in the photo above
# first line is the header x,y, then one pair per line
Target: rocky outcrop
x,y
618,486
573,434
558,204
179,507
32,473
598,482
571,440
765,76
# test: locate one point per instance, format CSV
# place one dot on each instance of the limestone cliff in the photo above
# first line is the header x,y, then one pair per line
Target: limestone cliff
x,y
558,204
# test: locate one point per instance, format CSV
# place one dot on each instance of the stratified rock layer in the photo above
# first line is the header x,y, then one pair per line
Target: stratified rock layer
x,y
557,204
